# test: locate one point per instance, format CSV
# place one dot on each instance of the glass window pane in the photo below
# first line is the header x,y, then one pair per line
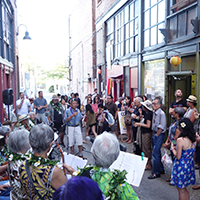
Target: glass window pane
x,y
127,31
121,18
153,2
146,4
160,35
136,43
191,15
118,50
127,46
117,21
131,45
154,35
131,11
181,25
173,27
146,19
136,26
161,11
116,55
111,25
153,15
154,78
122,48
188,63
136,8
126,11
146,38
122,34
131,28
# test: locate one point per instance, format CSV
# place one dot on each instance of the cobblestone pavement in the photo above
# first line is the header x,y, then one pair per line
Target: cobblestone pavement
x,y
157,189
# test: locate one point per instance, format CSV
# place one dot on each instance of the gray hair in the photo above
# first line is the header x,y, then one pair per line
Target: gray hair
x,y
40,138
18,141
159,98
180,111
4,129
139,99
105,149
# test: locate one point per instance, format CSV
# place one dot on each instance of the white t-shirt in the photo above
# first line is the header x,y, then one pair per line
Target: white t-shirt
x,y
6,108
24,108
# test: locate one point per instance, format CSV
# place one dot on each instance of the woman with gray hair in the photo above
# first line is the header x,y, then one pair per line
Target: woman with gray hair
x,y
18,144
174,131
105,151
39,176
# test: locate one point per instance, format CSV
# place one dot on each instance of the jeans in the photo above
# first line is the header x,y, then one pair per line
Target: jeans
x,y
157,143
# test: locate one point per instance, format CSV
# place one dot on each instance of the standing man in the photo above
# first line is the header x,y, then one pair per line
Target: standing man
x,y
112,108
94,94
136,118
73,119
78,100
179,102
158,128
23,105
40,105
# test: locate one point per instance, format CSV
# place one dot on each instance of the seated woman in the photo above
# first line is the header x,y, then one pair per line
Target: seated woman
x,y
39,176
105,151
78,188
18,144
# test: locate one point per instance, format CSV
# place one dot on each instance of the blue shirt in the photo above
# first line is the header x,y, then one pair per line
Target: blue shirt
x,y
159,121
40,102
74,121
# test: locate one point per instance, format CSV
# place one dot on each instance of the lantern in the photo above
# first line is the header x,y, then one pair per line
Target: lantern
x,y
175,61
99,71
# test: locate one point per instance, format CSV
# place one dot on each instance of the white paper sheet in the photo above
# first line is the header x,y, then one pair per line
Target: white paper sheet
x,y
74,161
133,164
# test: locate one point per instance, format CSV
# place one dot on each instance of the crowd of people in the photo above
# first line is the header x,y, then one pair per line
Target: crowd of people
x,y
27,137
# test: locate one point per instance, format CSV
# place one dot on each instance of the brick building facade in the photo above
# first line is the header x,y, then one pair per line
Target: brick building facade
x,y
9,67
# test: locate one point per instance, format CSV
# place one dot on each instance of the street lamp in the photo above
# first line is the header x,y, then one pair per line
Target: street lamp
x,y
26,37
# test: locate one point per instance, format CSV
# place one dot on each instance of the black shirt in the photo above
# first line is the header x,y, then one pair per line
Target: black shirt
x,y
181,103
112,108
147,116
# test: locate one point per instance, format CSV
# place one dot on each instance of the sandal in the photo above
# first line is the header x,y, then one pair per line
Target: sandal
x,y
84,141
153,176
168,180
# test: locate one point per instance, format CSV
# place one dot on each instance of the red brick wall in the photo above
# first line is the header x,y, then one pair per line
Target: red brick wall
x,y
103,6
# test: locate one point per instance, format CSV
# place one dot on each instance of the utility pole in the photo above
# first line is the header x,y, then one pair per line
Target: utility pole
x,y
70,67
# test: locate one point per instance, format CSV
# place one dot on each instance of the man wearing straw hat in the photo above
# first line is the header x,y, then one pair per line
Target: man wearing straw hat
x,y
24,122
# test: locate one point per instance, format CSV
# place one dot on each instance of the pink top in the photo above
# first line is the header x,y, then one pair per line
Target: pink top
x,y
95,107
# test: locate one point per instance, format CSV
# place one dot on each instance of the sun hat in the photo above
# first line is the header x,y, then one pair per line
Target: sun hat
x,y
23,117
192,99
147,104
54,96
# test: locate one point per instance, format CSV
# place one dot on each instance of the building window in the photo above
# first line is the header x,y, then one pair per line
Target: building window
x,y
154,18
176,5
7,33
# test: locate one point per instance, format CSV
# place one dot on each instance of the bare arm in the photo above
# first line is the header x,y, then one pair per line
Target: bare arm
x,y
20,105
58,178
177,153
192,117
171,111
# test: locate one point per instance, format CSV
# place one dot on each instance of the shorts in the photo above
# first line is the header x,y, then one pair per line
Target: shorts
x,y
75,136
41,117
197,155
113,127
91,125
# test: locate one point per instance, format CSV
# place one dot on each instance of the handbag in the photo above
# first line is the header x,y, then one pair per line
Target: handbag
x,y
166,160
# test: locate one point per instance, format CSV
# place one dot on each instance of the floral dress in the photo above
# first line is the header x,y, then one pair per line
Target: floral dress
x,y
183,171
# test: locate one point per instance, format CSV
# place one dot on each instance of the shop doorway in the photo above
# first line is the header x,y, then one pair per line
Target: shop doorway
x,y
182,83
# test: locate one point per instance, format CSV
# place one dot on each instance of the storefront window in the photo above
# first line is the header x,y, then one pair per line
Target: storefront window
x,y
154,78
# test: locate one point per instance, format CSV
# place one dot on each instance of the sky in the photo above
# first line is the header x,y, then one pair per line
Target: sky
x,y
47,24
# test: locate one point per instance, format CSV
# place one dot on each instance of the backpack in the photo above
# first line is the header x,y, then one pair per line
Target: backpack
x,y
110,119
